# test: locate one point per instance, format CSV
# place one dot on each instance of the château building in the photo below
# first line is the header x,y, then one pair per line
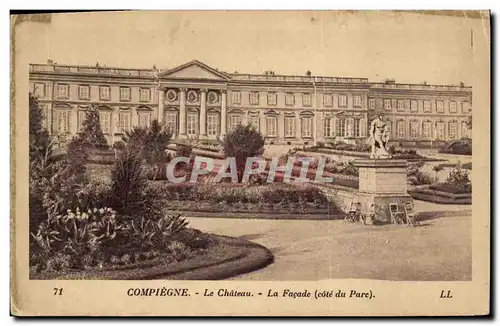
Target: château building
x,y
201,102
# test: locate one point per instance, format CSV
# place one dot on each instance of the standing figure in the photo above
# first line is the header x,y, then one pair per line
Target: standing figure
x,y
379,136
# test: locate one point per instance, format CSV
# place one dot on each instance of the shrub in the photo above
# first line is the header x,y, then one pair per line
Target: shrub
x,y
91,134
150,144
243,142
415,176
458,176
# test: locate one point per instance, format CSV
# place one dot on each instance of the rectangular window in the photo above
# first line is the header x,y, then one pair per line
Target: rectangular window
x,y
342,101
465,107
341,130
82,114
105,120
327,127
371,104
307,127
254,120
104,93
62,121
171,121
440,130
272,98
426,130
453,107
236,97
289,99
192,123
414,106
464,132
306,99
440,106
401,129
407,105
234,120
123,121
144,119
124,94
84,92
289,126
254,97
144,94
356,101
401,105
328,100
39,90
427,106
271,126
414,126
62,91
387,104
212,124
452,130
357,129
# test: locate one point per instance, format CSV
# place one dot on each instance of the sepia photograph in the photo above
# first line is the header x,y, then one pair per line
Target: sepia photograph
x,y
252,146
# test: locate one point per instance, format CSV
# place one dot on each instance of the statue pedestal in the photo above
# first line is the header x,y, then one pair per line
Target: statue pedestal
x,y
381,182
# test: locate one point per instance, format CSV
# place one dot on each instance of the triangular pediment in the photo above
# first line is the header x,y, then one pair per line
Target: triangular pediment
x,y
194,70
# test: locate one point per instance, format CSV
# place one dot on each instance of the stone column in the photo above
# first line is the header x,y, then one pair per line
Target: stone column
x,y
223,114
161,95
203,113
182,113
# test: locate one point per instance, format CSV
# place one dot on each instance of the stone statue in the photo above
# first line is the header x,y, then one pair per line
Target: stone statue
x,y
379,137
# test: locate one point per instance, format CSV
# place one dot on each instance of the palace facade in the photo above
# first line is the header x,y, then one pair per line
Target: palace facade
x,y
201,102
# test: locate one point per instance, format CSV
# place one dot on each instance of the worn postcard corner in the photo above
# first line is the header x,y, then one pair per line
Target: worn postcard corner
x,y
214,163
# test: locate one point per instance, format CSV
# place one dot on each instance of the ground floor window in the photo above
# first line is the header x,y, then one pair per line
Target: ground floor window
x,y
426,130
341,130
123,121
271,126
234,120
306,127
62,121
82,115
192,123
357,127
440,130
289,126
254,121
105,121
452,130
144,119
414,129
171,121
465,129
401,129
327,127
212,124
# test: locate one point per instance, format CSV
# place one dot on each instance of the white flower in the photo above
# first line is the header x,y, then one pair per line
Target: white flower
x,y
101,211
85,216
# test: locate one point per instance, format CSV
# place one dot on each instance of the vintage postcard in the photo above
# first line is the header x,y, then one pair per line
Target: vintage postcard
x,y
251,163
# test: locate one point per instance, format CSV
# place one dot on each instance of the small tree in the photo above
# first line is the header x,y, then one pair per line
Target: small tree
x,y
150,144
436,169
243,142
92,135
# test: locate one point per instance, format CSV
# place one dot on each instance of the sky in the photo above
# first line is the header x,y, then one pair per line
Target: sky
x,y
407,47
